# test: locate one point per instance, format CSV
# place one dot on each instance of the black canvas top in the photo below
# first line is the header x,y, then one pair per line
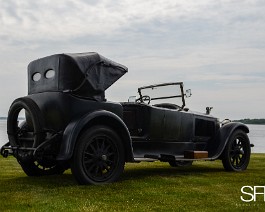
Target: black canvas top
x,y
84,74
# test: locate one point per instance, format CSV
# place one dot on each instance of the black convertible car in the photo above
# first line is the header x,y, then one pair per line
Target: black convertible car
x,y
69,124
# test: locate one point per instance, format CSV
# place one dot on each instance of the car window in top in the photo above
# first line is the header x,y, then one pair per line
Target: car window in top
x,y
36,76
49,74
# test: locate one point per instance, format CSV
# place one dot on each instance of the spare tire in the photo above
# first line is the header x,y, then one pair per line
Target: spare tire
x,y
33,115
34,125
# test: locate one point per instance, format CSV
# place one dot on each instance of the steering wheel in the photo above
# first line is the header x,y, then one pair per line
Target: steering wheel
x,y
144,99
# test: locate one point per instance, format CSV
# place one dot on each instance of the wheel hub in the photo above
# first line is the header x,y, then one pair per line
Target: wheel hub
x,y
100,156
238,151
104,157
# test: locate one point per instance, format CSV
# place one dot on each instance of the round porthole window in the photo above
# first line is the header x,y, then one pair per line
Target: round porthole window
x,y
49,74
36,77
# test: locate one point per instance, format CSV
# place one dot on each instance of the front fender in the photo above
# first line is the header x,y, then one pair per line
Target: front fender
x,y
103,117
223,136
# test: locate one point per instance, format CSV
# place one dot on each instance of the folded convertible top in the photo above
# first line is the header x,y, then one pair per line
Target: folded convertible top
x,y
83,74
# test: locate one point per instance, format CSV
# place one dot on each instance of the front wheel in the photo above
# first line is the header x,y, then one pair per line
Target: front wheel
x,y
236,154
98,156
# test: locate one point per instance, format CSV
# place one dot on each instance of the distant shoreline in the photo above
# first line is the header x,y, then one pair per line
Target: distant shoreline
x,y
251,121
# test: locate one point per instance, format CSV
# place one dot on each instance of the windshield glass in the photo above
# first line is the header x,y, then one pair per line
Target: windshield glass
x,y
164,93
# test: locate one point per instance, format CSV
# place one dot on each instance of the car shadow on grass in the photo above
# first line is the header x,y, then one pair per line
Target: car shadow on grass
x,y
51,181
135,172
131,173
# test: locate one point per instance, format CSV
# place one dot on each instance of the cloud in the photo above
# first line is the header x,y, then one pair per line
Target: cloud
x,y
65,19
210,45
69,18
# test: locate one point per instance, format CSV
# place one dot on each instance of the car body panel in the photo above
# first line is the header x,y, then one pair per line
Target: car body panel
x,y
217,147
156,130
99,117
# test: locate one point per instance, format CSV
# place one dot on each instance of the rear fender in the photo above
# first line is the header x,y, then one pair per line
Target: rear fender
x,y
222,137
102,117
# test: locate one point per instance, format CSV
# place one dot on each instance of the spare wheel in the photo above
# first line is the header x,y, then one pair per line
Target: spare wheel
x,y
34,120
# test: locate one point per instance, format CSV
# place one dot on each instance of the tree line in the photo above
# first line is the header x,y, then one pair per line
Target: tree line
x,y
251,121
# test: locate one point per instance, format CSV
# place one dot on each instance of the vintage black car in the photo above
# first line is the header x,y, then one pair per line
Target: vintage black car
x,y
69,124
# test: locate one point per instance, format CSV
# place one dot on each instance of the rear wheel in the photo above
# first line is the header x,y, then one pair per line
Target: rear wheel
x,y
36,168
98,156
236,154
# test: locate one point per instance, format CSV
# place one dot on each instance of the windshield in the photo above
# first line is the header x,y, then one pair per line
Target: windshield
x,y
164,93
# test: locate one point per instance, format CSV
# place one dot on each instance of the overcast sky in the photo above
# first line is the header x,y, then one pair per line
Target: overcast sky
x,y
217,48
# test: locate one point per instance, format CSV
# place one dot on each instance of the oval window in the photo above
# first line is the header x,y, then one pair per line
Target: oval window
x,y
36,77
49,74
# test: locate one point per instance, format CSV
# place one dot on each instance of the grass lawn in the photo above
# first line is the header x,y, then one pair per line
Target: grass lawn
x,y
156,186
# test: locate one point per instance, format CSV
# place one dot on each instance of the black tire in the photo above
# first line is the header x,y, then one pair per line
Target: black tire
x,y
33,112
98,156
181,163
236,154
34,168
34,125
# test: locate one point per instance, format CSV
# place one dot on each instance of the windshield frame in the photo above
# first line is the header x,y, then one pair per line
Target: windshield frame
x,y
180,84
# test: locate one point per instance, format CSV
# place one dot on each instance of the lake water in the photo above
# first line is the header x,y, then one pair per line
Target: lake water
x,y
256,136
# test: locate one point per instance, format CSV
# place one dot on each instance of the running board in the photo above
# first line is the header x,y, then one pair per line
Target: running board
x,y
144,159
188,156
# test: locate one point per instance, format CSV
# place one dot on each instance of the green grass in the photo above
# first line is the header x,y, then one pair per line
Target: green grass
x,y
156,186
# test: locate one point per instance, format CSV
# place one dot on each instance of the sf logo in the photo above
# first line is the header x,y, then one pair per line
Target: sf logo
x,y
250,193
